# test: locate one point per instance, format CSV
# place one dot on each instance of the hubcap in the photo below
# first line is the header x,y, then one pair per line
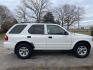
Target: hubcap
x,y
23,51
82,50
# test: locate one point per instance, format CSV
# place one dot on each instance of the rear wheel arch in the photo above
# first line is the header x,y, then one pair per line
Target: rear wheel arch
x,y
21,42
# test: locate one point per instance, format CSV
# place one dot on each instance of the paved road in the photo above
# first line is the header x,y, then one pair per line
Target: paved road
x,y
43,59
47,59
1,43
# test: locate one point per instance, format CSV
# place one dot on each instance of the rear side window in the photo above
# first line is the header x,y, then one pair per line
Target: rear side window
x,y
17,29
36,29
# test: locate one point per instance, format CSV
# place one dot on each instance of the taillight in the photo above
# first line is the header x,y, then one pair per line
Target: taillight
x,y
6,38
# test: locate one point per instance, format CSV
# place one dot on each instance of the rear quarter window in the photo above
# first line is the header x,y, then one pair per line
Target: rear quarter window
x,y
17,29
36,29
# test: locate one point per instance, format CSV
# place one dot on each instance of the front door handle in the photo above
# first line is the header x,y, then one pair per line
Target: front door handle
x,y
28,36
50,37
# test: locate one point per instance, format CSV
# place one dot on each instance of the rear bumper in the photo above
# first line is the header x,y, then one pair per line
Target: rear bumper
x,y
8,45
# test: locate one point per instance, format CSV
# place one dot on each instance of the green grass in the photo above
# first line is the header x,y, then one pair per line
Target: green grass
x,y
87,33
1,36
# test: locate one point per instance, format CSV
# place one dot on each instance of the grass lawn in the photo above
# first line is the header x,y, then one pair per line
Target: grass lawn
x,y
1,36
87,33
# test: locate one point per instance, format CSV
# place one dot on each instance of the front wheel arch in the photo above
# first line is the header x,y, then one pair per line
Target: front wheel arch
x,y
76,47
86,42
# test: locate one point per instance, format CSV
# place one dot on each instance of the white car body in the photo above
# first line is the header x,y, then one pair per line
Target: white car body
x,y
42,42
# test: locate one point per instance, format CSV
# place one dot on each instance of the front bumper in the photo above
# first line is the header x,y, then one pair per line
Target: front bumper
x,y
91,43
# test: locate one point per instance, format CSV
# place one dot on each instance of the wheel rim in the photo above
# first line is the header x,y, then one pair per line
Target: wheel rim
x,y
82,50
23,51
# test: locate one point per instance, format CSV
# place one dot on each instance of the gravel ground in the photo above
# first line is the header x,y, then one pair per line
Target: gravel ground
x,y
43,60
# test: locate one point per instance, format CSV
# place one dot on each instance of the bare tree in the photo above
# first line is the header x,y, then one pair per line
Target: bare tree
x,y
6,18
2,14
69,14
21,12
73,14
37,7
5,14
60,15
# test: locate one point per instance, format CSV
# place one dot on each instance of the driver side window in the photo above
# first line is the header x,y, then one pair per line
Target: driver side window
x,y
55,30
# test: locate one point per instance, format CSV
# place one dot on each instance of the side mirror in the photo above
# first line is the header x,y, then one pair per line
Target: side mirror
x,y
65,33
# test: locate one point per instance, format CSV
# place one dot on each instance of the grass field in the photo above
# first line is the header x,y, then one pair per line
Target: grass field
x,y
81,32
87,33
1,36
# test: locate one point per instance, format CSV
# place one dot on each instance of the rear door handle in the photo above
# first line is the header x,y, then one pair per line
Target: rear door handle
x,y
50,37
28,36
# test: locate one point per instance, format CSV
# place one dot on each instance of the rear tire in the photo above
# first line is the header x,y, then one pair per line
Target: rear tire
x,y
81,50
23,51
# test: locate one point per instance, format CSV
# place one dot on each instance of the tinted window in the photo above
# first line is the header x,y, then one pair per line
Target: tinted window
x,y
54,29
36,29
17,29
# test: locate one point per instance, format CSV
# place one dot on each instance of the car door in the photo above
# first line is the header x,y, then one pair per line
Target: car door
x,y
58,38
37,33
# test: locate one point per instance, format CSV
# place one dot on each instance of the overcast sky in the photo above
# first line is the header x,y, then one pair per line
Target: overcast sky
x,y
87,4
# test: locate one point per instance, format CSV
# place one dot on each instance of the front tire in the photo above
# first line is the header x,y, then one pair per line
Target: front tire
x,y
81,50
23,51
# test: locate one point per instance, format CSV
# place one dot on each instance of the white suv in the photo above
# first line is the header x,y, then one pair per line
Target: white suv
x,y
24,38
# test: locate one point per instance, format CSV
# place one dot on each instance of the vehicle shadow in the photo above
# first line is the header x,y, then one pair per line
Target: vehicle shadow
x,y
51,53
